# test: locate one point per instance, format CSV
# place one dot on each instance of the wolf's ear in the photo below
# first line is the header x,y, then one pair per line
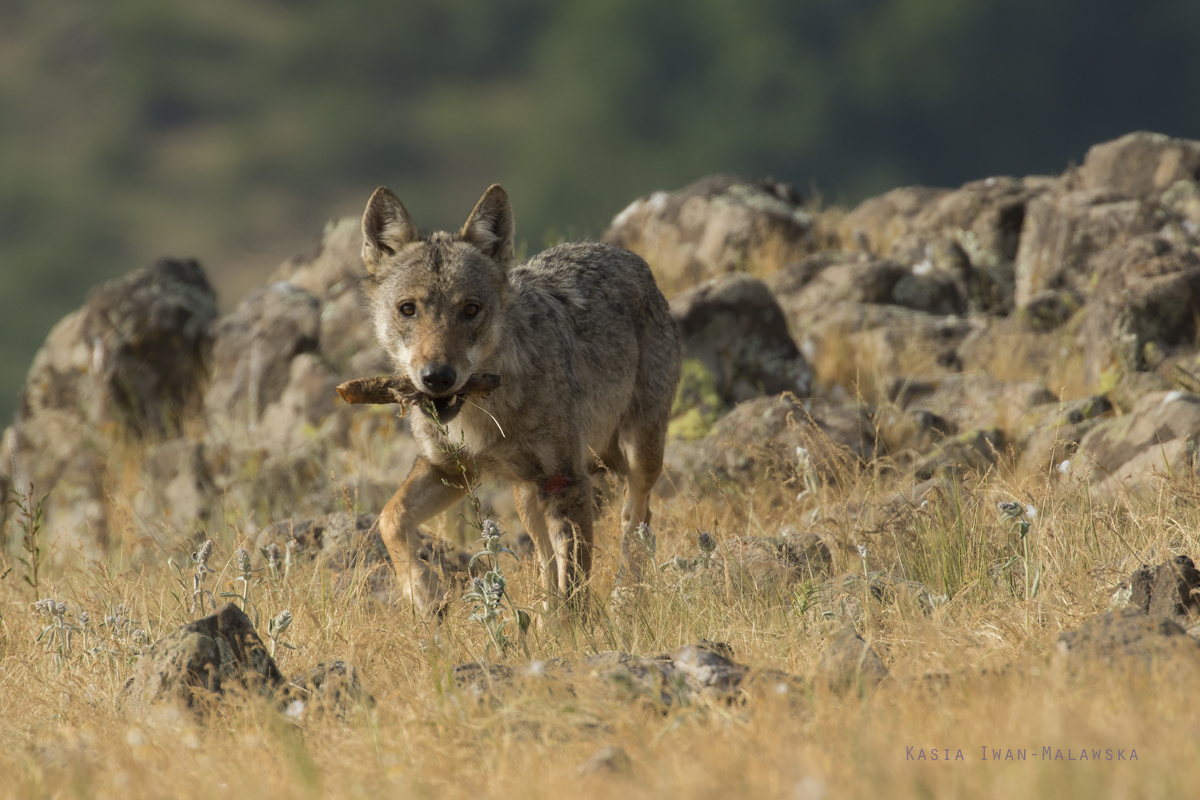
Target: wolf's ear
x,y
490,226
386,228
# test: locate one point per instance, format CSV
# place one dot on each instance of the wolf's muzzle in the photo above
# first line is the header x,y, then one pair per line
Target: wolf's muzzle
x,y
438,378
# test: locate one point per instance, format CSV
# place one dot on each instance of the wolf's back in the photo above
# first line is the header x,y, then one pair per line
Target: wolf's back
x,y
593,311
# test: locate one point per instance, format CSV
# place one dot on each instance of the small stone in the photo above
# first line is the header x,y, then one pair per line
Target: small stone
x,y
608,760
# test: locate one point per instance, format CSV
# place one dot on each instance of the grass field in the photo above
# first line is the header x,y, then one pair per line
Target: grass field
x,y
973,674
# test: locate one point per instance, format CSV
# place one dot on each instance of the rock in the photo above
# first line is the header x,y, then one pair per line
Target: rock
x,y
716,225
1127,635
1064,232
855,325
762,434
307,400
707,668
175,494
336,276
774,563
133,354
1158,435
976,451
734,327
844,596
129,361
632,678
202,660
1143,308
353,547
480,681
329,687
698,404
1055,438
253,349
1169,591
608,760
848,662
1140,164
877,222
984,217
970,233
702,669
970,400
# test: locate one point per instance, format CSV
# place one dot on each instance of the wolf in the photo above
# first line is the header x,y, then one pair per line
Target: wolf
x,y
588,358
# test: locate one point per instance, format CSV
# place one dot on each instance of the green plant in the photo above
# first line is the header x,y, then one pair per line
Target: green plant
x,y
59,629
1021,523
200,560
242,559
492,607
276,627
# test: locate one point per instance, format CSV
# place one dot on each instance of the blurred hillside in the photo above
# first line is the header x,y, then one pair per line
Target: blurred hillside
x,y
231,131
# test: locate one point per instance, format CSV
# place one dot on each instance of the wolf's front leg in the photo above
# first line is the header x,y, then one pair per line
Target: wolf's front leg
x,y
427,491
569,519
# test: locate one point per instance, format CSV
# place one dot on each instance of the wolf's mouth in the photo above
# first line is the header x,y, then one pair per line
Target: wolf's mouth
x,y
447,408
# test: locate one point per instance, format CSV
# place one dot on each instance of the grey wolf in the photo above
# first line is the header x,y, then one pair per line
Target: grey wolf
x,y
588,357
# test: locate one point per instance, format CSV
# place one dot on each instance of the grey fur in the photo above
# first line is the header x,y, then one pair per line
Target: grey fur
x,y
588,356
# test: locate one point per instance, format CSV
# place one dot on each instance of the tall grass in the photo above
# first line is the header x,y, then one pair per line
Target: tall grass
x,y
967,672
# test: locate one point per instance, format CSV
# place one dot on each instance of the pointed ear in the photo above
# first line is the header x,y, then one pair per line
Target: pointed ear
x,y
490,226
386,228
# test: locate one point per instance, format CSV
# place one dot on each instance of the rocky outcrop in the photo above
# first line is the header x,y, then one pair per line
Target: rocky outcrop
x,y
1156,438
848,663
702,670
716,225
735,329
856,315
127,364
1170,590
1127,636
762,435
201,660
973,232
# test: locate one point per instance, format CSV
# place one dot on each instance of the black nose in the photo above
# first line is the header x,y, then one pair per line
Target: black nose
x,y
438,378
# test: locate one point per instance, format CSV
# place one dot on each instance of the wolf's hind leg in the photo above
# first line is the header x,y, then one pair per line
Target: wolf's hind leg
x,y
423,494
643,451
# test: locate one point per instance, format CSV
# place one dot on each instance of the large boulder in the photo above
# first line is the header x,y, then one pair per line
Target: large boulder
x,y
973,231
336,276
1170,590
1140,164
1064,232
1139,184
736,329
128,364
1128,637
761,436
716,225
1157,437
877,222
254,347
857,316
971,400
201,660
1143,308
133,354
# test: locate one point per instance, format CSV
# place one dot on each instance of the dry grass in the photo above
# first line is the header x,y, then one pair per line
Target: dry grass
x,y
65,734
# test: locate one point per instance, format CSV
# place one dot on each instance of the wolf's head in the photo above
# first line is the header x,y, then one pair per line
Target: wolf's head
x,y
438,298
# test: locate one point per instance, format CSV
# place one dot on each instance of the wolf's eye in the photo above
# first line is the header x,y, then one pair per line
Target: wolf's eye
x,y
470,310
408,309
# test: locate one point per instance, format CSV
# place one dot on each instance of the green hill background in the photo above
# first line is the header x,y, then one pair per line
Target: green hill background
x,y
231,131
